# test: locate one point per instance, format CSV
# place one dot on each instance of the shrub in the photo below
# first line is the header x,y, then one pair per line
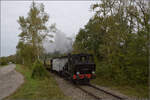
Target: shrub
x,y
39,72
3,61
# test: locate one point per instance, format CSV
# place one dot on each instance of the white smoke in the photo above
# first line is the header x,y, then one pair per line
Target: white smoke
x,y
60,43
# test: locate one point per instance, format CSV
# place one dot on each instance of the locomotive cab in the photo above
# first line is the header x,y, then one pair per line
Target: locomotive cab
x,y
81,67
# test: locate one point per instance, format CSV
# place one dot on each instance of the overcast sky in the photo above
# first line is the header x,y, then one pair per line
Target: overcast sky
x,y
69,17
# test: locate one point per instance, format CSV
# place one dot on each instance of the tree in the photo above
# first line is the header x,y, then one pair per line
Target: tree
x,y
118,35
34,30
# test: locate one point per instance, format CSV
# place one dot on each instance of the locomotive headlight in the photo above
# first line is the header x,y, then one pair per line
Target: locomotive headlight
x,y
93,72
78,73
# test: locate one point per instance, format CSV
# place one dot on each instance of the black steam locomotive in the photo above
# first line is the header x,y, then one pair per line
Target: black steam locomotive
x,y
75,67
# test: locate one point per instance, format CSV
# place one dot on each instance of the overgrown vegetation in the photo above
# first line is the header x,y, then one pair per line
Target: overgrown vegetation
x,y
39,72
3,61
6,60
34,89
118,36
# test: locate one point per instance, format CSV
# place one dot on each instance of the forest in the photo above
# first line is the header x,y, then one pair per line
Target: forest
x,y
118,36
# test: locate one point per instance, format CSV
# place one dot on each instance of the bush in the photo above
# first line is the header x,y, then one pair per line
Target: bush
x,y
3,61
39,72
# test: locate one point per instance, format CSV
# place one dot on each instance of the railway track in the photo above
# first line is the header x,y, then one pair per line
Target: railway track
x,y
89,93
98,93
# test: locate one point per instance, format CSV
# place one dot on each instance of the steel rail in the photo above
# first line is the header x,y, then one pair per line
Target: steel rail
x,y
114,95
96,97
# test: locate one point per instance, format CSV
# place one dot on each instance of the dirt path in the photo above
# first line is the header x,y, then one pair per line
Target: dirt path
x,y
10,80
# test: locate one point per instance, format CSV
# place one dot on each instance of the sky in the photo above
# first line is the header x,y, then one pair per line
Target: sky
x,y
69,17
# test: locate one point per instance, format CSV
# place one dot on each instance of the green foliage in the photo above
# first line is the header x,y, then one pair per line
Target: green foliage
x,y
12,58
39,72
6,60
3,61
34,31
118,44
25,54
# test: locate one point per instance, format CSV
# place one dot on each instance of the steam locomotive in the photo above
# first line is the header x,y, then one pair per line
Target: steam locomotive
x,y
78,68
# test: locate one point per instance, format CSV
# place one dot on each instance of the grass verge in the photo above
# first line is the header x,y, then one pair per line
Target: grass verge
x,y
36,89
131,91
